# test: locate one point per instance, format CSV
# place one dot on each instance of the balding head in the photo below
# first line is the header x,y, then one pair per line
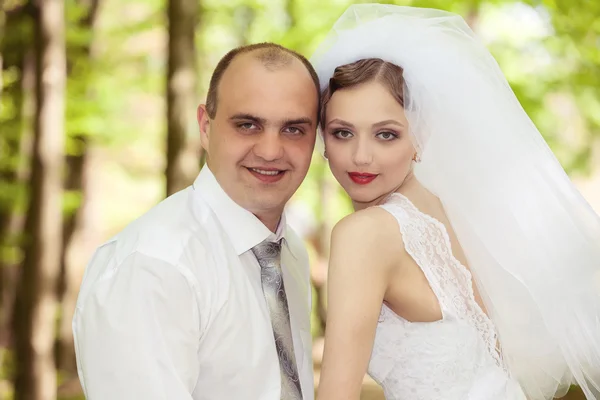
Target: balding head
x,y
272,56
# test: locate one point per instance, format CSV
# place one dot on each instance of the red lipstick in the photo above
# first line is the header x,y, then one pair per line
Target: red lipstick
x,y
362,178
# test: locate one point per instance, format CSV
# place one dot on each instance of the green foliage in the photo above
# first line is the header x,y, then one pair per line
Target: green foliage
x,y
573,45
115,89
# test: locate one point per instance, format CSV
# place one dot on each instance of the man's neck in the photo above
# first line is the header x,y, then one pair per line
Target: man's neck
x,y
271,221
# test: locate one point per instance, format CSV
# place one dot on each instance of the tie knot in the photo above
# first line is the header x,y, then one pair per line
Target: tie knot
x,y
267,253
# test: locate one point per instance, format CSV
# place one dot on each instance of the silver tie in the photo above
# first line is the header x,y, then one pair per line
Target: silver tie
x,y
268,255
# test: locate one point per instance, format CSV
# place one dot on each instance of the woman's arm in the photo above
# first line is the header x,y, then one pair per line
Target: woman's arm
x,y
365,246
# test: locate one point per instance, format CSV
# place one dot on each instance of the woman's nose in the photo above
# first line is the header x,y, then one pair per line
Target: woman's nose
x,y
362,153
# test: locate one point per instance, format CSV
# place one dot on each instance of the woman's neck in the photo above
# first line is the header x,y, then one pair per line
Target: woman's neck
x,y
411,185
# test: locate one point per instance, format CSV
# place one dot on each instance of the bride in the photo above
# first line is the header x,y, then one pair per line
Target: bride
x,y
471,267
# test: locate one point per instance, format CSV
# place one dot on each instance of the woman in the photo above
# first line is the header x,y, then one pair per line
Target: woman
x,y
470,268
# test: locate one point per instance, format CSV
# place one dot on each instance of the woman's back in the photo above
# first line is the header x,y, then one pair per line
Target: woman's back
x,y
453,357
430,205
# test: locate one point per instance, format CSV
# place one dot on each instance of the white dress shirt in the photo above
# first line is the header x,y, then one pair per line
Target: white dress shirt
x,y
172,307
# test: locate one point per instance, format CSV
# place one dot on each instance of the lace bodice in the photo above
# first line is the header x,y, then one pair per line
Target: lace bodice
x,y
453,358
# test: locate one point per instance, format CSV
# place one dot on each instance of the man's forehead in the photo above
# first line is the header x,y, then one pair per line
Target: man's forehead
x,y
250,88
248,65
286,86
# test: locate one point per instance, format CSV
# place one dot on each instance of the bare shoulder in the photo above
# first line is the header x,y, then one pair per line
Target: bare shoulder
x,y
371,234
369,224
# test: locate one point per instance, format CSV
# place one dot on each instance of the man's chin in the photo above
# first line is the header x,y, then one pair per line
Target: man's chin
x,y
262,202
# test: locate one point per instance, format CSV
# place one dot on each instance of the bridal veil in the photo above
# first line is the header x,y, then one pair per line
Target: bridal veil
x,y
531,240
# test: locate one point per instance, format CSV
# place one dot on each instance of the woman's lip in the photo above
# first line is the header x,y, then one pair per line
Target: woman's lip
x,y
362,178
361,174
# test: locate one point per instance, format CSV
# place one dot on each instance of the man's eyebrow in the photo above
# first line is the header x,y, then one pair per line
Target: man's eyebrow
x,y
298,121
263,121
247,117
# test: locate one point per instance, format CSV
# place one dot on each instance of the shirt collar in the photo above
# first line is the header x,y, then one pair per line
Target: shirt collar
x,y
242,227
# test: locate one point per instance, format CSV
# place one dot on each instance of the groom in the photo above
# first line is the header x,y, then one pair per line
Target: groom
x,y
207,295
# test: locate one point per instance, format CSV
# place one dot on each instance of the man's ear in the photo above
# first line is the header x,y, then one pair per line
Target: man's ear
x,y
203,125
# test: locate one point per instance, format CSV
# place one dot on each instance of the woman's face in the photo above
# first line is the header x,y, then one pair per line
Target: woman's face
x,y
367,142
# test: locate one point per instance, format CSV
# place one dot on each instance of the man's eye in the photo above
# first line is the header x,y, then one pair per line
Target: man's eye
x,y
293,130
247,126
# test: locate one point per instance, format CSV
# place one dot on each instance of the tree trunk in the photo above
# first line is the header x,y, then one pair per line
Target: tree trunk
x,y
181,91
35,312
290,8
74,256
76,243
17,139
12,224
2,25
244,16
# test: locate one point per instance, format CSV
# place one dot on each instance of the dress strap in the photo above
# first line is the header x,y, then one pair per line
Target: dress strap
x,y
426,240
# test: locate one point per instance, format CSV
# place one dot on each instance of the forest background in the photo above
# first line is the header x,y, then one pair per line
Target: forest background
x,y
97,125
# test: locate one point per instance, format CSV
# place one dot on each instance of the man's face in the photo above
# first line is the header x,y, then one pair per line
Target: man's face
x,y
261,141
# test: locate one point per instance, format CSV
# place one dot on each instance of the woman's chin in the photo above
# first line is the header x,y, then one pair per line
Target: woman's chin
x,y
363,197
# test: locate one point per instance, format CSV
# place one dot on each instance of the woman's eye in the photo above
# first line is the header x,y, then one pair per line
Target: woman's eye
x,y
387,135
341,134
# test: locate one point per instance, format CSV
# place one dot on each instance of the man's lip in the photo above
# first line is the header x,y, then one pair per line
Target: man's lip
x,y
267,168
268,178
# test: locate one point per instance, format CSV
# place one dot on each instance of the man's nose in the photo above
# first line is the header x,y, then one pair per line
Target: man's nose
x,y
269,146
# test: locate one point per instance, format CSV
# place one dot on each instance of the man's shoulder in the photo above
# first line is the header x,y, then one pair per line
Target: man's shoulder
x,y
165,231
164,242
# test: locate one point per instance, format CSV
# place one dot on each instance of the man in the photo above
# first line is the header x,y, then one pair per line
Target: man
x,y
207,295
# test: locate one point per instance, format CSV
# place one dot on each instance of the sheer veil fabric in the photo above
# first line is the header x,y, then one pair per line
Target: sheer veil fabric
x,y
531,240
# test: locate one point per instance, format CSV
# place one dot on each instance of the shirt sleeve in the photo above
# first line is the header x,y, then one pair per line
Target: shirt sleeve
x,y
137,332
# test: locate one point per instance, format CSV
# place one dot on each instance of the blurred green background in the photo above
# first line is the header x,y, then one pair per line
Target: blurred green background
x,y
97,124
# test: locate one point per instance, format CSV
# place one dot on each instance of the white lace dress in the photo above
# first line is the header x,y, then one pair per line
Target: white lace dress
x,y
454,358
